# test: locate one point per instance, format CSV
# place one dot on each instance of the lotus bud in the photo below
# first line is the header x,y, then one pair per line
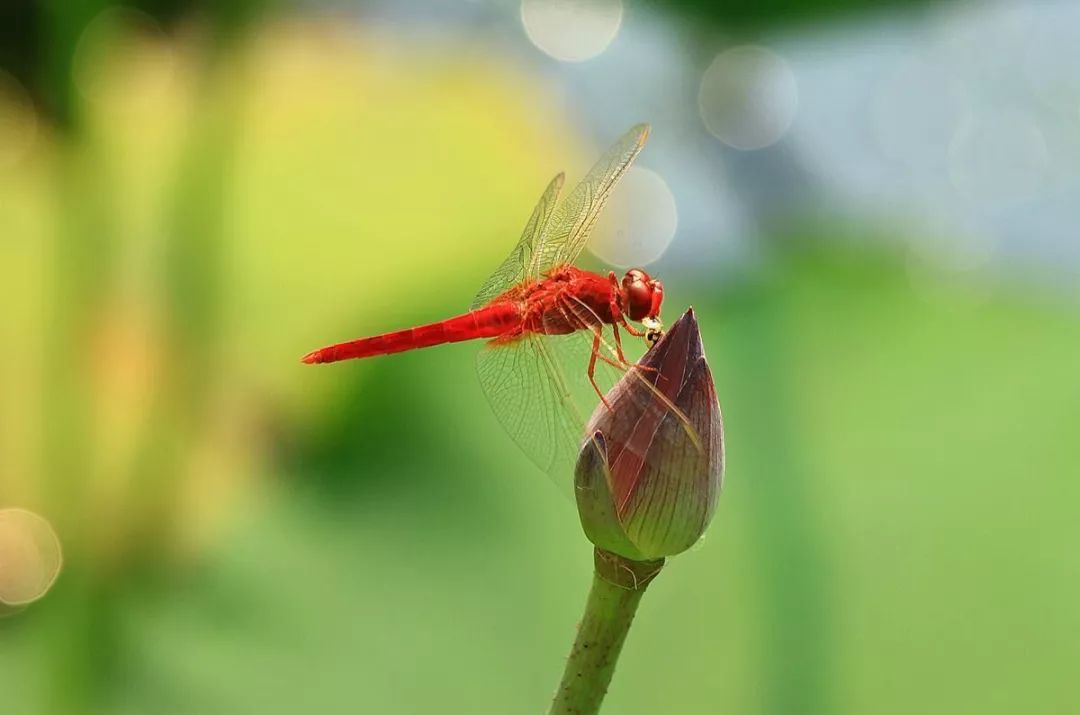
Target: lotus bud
x,y
650,469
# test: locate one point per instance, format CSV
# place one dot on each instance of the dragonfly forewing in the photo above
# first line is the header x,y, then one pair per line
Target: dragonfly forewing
x,y
514,269
565,235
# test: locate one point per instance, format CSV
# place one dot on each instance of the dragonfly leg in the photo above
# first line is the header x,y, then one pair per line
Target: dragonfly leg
x,y
630,328
618,344
622,358
620,366
625,362
592,367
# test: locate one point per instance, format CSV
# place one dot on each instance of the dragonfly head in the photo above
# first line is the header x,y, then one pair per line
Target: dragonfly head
x,y
641,295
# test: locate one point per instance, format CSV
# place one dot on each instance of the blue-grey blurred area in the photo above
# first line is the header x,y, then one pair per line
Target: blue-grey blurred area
x,y
872,208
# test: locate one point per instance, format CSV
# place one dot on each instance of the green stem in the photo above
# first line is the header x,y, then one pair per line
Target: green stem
x,y
617,588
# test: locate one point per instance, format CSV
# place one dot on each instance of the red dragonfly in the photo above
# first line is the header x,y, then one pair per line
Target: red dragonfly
x,y
534,311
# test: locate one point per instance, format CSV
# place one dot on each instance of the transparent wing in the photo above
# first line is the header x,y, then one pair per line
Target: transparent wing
x,y
565,235
539,390
513,269
535,402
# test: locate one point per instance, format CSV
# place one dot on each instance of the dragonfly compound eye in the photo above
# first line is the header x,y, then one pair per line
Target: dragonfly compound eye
x,y
637,290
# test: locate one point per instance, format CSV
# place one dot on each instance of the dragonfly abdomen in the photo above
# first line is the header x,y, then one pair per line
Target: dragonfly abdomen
x,y
490,321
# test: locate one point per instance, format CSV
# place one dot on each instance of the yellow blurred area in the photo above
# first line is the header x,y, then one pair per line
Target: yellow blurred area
x,y
24,208
362,183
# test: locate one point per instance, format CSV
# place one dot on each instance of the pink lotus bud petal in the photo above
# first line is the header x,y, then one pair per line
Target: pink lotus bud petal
x,y
649,475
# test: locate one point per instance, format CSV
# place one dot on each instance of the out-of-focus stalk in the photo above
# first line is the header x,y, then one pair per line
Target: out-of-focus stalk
x,y
617,588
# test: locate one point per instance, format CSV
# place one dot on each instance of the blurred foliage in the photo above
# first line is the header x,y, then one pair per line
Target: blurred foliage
x,y
759,15
39,39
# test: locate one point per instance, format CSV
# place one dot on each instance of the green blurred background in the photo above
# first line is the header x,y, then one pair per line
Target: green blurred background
x,y
192,195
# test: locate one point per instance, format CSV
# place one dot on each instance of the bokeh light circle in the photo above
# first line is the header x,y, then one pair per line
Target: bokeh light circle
x,y
638,223
30,556
748,97
571,30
